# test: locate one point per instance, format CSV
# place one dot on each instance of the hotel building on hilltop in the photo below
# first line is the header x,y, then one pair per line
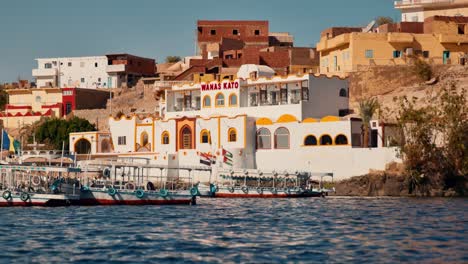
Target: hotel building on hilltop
x,y
109,71
419,10
437,40
268,122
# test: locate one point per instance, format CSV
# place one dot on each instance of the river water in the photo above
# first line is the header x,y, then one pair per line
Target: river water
x,y
332,229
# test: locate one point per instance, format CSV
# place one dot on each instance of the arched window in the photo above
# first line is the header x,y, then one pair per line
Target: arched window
x,y
185,141
343,92
219,100
326,140
233,100
165,138
232,135
205,136
144,139
82,146
310,140
341,140
282,138
206,101
263,139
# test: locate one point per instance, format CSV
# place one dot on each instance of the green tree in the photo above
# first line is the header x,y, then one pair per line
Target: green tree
x,y
382,20
173,59
435,141
422,69
55,131
3,97
367,108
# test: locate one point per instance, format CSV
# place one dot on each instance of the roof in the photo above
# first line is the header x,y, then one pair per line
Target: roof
x,y
262,71
456,19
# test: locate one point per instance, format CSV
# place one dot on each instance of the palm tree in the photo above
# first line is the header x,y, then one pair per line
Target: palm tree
x,y
367,109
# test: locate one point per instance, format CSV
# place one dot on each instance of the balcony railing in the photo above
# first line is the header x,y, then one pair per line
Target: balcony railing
x,y
115,68
44,72
420,2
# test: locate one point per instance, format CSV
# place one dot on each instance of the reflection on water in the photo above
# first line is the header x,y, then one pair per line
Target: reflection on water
x,y
379,230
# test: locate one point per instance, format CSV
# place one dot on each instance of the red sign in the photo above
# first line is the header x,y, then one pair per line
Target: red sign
x,y
220,86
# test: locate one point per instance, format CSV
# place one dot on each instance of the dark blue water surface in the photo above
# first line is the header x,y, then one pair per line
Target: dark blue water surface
x,y
344,230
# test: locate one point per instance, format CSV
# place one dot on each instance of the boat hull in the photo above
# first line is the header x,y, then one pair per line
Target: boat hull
x,y
49,200
100,197
263,193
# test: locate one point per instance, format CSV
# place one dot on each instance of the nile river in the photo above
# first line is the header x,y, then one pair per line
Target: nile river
x,y
332,230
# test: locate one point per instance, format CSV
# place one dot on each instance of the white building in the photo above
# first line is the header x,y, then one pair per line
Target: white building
x,y
110,71
268,123
418,10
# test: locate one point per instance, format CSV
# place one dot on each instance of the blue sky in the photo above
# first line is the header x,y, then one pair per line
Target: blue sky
x,y
154,28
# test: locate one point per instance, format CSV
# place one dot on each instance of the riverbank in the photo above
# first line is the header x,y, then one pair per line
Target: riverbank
x,y
389,184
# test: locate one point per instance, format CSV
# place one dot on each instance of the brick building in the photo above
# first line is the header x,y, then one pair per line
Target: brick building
x,y
230,44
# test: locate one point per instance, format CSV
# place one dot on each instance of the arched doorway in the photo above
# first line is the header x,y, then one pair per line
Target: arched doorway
x,y
186,138
105,146
82,146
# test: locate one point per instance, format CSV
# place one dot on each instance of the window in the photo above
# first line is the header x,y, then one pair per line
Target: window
x,y
96,64
205,136
341,140
38,99
369,54
165,138
68,108
257,32
207,101
284,95
69,64
48,65
253,99
263,139
99,79
310,140
343,92
235,32
282,138
213,32
232,135
122,140
396,54
200,29
67,93
326,140
144,139
425,53
82,80
186,142
233,100
461,29
219,100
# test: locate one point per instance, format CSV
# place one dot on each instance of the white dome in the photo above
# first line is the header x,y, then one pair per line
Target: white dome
x,y
261,70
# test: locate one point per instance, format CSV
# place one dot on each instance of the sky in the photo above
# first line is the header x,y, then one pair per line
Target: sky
x,y
31,29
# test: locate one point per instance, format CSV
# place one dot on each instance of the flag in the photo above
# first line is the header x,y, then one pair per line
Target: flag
x,y
227,157
207,159
9,142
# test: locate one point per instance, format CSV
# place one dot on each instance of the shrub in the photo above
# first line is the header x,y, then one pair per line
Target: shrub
x,y
422,69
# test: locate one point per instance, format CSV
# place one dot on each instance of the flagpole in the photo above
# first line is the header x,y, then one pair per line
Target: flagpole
x,y
63,149
1,152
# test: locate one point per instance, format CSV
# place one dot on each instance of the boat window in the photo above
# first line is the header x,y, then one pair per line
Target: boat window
x,y
263,139
219,100
282,138
233,100
205,136
207,101
165,138
186,142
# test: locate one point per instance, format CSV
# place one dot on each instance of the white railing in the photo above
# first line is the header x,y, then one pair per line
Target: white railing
x,y
44,72
167,84
418,2
115,68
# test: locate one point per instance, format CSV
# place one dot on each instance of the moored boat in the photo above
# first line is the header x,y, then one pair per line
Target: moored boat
x,y
38,186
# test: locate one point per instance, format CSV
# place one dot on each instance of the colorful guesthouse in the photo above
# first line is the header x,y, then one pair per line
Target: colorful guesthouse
x,y
294,122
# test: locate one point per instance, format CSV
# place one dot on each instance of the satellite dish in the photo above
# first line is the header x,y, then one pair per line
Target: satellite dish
x,y
369,27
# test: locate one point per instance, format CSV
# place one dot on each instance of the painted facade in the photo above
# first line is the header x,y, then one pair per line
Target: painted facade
x,y
297,130
419,10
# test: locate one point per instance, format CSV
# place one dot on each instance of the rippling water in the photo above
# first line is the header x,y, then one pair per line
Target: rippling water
x,y
378,230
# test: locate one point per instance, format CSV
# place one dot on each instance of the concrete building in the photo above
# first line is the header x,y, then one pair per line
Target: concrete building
x,y
419,10
26,106
439,40
281,123
110,71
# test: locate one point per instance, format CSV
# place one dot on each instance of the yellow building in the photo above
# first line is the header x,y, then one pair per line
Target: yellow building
x,y
439,40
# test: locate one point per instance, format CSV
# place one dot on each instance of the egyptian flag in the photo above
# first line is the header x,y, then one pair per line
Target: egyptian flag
x,y
207,159
227,157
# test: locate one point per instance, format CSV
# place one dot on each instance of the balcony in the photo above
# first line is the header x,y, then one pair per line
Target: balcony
x,y
400,37
115,68
455,39
326,44
419,3
44,72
